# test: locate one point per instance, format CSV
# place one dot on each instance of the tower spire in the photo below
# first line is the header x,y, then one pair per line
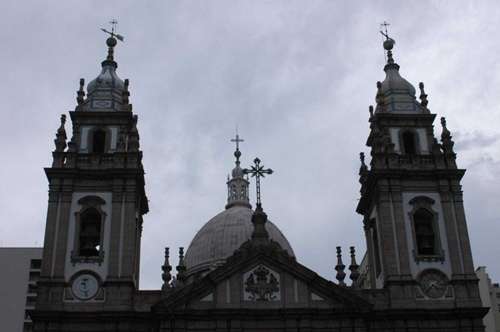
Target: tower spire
x,y
112,40
388,43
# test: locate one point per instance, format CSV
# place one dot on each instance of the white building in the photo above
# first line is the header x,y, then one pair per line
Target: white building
x,y
490,296
20,272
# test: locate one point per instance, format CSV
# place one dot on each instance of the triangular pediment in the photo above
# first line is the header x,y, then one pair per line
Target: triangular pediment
x,y
262,279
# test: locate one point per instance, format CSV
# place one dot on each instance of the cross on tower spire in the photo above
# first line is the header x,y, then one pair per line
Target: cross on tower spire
x,y
257,171
237,140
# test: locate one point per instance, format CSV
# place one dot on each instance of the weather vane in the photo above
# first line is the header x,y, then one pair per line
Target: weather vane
x,y
257,171
113,23
384,26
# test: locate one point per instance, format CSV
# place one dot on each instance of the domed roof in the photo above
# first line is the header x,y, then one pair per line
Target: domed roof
x,y
222,235
107,79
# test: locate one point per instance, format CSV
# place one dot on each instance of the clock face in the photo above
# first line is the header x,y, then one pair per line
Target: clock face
x,y
85,286
433,283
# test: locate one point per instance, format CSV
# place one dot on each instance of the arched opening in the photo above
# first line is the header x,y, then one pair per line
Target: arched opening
x,y
424,232
90,233
409,143
98,141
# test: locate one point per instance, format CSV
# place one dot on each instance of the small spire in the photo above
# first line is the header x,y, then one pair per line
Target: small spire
x,y
379,98
133,141
446,133
370,111
363,169
166,276
388,43
60,141
181,268
340,268
259,220
446,138
125,92
353,267
423,96
80,94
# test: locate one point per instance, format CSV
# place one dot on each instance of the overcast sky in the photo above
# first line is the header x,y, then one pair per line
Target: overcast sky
x,y
296,77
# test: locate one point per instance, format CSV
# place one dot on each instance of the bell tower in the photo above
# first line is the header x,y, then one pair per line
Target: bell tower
x,y
96,201
411,201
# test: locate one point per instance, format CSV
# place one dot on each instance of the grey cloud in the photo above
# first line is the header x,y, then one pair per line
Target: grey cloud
x,y
295,76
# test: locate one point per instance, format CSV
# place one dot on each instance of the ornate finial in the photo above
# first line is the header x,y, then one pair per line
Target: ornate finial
x,y
362,159
447,142
111,41
125,93
133,141
388,42
423,96
353,267
166,268
181,268
363,169
446,133
363,164
80,93
370,110
257,171
340,268
60,141
379,98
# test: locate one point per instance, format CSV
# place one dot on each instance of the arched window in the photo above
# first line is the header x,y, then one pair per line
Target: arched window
x,y
89,240
409,143
98,141
426,239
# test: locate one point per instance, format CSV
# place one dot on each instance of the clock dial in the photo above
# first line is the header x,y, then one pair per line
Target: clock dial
x,y
85,286
433,283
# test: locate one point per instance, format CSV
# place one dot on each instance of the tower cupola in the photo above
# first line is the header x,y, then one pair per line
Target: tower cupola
x,y
394,93
107,92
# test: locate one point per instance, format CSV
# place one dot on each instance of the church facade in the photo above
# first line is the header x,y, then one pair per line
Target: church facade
x,y
239,272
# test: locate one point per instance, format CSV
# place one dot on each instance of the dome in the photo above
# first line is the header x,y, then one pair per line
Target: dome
x,y
107,79
222,235
398,94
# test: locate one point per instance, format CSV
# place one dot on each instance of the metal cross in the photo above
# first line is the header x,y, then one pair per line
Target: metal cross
x,y
113,23
384,26
257,171
237,140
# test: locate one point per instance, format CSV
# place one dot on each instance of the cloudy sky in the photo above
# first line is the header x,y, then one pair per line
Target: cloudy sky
x,y
296,77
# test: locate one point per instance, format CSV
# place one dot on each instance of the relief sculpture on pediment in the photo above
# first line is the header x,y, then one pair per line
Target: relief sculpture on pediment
x,y
261,284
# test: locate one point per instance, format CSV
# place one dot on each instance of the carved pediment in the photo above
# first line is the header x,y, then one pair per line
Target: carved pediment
x,y
262,281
